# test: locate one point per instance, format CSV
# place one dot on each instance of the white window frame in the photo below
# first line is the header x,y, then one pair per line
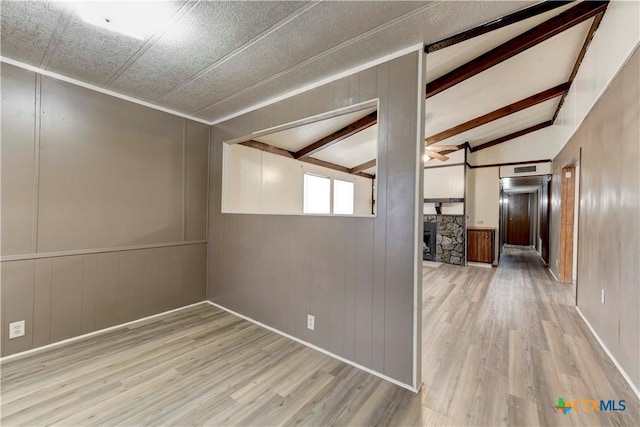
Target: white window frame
x,y
331,195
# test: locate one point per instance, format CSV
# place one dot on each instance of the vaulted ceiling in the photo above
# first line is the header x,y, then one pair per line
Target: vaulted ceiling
x,y
495,70
213,59
510,81
487,86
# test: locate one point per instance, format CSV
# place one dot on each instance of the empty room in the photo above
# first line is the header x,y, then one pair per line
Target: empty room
x,y
356,213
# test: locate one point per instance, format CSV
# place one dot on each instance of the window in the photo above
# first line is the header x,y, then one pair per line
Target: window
x,y
342,197
317,194
319,190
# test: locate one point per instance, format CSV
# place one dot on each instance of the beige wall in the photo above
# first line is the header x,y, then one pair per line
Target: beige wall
x,y
90,176
445,180
359,277
63,297
483,196
609,216
257,182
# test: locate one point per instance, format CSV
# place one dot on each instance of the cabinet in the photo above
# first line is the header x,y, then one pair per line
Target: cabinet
x,y
480,244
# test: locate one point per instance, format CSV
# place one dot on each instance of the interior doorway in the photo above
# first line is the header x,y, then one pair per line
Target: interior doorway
x,y
518,219
524,212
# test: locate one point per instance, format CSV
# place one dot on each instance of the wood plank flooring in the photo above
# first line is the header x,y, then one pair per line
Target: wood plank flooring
x,y
499,348
199,366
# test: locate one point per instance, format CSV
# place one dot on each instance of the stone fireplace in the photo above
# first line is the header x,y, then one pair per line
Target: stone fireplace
x,y
449,238
429,241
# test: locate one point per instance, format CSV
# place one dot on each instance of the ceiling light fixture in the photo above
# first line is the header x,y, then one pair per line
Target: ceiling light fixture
x,y
426,158
133,19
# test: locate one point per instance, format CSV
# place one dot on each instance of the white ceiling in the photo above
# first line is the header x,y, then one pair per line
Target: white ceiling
x,y
444,60
537,69
532,71
353,151
505,125
349,152
213,59
296,138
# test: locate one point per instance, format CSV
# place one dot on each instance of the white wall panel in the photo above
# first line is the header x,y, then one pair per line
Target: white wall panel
x,y
484,192
440,183
257,182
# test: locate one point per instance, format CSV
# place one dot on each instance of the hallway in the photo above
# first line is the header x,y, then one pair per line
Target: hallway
x,y
500,346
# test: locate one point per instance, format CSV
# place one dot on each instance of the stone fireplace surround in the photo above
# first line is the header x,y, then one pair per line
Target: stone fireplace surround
x,y
450,245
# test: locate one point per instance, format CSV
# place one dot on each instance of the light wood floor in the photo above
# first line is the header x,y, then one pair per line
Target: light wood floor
x,y
199,366
500,346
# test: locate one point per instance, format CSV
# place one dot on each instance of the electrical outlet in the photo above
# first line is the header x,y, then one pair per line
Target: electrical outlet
x,y
16,329
602,296
311,322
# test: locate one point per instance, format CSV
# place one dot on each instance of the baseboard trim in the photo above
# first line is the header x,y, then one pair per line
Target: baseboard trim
x,y
320,349
479,264
90,334
554,276
613,359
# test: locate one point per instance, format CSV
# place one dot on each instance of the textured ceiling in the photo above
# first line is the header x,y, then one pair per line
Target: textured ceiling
x,y
213,59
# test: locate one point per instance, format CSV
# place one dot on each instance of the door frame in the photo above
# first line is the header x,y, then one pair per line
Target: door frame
x,y
568,218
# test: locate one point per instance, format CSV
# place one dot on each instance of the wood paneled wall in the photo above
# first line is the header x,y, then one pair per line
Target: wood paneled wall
x,y
63,297
609,216
355,275
91,176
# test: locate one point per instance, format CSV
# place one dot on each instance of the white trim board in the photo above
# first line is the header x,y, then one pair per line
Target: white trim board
x,y
315,347
38,255
365,66
98,89
90,334
418,222
613,359
381,60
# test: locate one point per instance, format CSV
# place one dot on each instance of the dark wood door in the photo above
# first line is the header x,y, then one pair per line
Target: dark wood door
x,y
518,219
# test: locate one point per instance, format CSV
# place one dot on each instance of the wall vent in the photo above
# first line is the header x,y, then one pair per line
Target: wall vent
x,y
523,169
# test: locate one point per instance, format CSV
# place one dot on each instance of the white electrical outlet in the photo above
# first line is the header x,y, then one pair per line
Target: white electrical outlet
x,y
602,296
16,329
311,322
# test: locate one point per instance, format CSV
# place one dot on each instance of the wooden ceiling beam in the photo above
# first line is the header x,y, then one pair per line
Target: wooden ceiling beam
x,y
347,131
511,136
288,154
585,46
363,167
500,113
268,148
333,166
565,20
496,24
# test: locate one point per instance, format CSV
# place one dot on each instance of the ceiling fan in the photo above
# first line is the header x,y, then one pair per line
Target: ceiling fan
x,y
432,152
